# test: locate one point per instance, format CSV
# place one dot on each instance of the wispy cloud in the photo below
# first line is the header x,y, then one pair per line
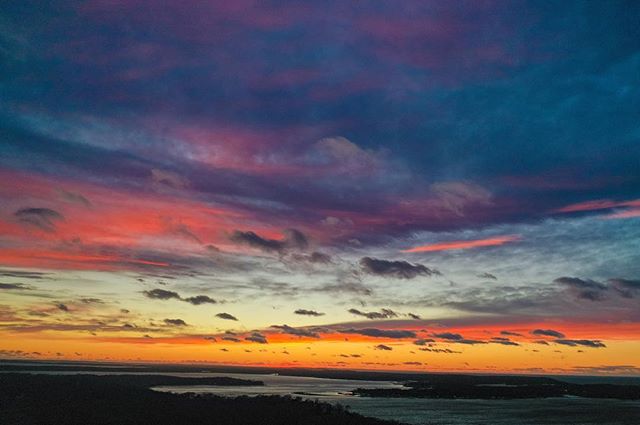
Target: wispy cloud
x,y
477,243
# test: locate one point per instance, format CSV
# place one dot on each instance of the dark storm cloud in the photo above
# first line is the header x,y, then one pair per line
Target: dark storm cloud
x,y
200,299
396,269
580,343
385,313
175,322
226,316
303,312
161,294
547,332
294,239
584,288
43,218
380,333
382,347
302,332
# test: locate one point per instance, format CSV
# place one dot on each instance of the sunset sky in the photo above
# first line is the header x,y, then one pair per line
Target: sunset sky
x,y
398,185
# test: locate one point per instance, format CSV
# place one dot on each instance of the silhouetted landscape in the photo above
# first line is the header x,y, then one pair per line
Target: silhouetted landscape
x,y
126,399
502,387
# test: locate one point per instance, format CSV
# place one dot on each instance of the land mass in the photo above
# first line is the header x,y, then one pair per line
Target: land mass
x,y
40,399
500,387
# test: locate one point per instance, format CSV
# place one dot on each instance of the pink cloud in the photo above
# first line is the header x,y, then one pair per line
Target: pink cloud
x,y
604,204
477,243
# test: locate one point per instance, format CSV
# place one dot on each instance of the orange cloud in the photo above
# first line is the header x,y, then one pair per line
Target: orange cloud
x,y
476,243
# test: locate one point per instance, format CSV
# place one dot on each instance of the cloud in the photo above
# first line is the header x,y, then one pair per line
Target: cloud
x,y
509,333
91,301
385,313
301,332
478,243
423,342
297,240
10,286
414,316
396,269
547,332
75,198
448,336
628,370
345,287
580,343
226,316
161,294
23,274
585,289
42,218
303,312
503,341
200,299
62,307
169,179
257,337
175,322
456,338
440,350
487,276
293,239
382,347
380,333
313,258
625,287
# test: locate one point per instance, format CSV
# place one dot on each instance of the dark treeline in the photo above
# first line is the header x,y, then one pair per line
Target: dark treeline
x,y
125,400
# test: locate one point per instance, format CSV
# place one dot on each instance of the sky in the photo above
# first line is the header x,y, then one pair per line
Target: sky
x,y
415,185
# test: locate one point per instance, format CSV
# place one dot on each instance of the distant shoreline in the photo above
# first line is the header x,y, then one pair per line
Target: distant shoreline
x,y
434,386
367,375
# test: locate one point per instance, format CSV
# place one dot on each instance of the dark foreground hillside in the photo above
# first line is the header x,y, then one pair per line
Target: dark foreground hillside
x,y
89,399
